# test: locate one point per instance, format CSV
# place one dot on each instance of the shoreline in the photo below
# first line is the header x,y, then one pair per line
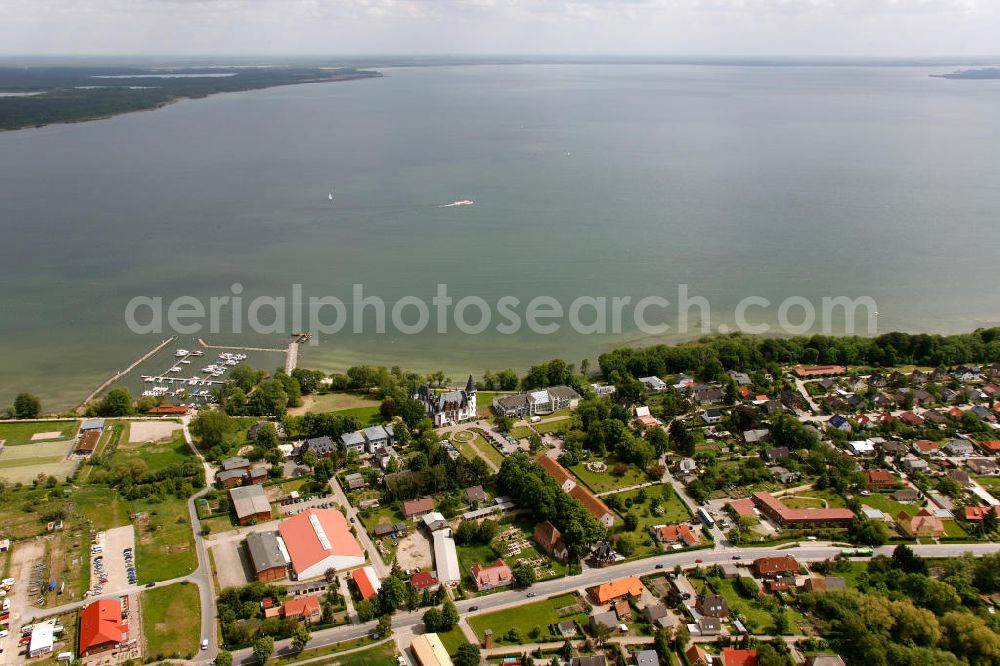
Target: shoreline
x,y
356,76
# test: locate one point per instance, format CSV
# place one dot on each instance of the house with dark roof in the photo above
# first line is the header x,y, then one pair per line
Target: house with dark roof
x,y
712,605
549,539
771,566
450,407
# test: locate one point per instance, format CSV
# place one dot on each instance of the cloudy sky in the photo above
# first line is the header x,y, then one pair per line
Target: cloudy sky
x,y
660,27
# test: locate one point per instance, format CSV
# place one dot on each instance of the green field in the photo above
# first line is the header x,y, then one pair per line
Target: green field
x,y
24,463
102,505
485,448
156,455
171,621
884,502
989,481
452,639
526,617
521,432
559,427
672,510
333,402
379,655
164,542
14,433
605,481
757,620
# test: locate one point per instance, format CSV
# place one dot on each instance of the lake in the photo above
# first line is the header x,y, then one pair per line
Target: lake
x,y
599,181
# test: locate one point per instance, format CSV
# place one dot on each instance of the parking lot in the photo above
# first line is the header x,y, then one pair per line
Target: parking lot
x,y
232,563
112,561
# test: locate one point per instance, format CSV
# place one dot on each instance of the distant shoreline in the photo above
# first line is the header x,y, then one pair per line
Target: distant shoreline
x,y
64,103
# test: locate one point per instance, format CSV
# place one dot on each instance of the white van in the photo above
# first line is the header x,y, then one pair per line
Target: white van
x,y
65,656
7,582
204,644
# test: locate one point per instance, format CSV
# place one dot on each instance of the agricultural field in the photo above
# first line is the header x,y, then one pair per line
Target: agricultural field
x,y
164,542
171,621
525,618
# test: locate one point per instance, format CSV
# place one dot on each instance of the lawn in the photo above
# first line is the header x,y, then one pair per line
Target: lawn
x,y
156,455
452,639
521,432
601,482
484,401
171,621
365,415
953,529
102,505
989,481
558,427
485,448
379,655
526,617
332,402
24,463
813,499
884,503
471,554
14,434
757,619
671,510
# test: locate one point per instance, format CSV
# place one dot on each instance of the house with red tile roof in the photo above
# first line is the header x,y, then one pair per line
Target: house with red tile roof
x,y
926,447
489,577
594,504
992,446
924,524
877,479
418,507
769,566
305,608
675,533
742,508
734,657
424,580
101,627
617,589
976,513
818,370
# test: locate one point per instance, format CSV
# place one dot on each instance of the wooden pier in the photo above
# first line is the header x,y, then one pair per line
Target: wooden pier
x,y
121,373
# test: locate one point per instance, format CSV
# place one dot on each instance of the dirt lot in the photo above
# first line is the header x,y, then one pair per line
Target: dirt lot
x,y
414,552
232,563
152,431
113,542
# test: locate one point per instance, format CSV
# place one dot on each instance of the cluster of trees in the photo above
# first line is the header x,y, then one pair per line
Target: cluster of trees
x,y
242,620
526,481
553,373
134,481
433,471
116,402
603,427
901,615
251,392
504,380
712,355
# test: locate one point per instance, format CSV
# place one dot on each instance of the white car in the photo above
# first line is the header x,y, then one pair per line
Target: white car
x,y
4,633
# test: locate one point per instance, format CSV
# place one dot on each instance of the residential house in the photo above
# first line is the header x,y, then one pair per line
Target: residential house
x,y
355,481
657,615
757,435
824,584
712,605
976,513
838,422
913,464
653,383
959,447
618,589
906,495
624,611
250,504
708,626
647,658
959,476
418,507
712,416
670,534
879,479
772,566
537,403
782,474
706,393
306,608
982,465
911,419
321,447
926,447
776,453
734,657
604,618
353,441
923,524
424,580
566,628
475,495
696,656
825,660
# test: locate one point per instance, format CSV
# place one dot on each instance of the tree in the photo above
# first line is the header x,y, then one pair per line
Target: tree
x,y
449,615
392,594
384,626
211,427
631,522
118,402
601,634
524,575
263,648
301,637
27,406
657,438
905,559
682,440
868,532
467,655
432,620
224,658
365,610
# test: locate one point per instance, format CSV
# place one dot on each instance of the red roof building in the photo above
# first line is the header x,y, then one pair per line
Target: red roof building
x,y
879,478
101,627
306,608
992,446
675,533
496,575
176,410
768,566
976,513
618,589
320,539
742,508
774,509
418,507
557,472
818,370
423,580
367,582
734,657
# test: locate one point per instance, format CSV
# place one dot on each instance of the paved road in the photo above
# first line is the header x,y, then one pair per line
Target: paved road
x,y
362,534
807,552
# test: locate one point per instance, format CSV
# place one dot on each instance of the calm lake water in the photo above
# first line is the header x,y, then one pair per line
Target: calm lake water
x,y
588,181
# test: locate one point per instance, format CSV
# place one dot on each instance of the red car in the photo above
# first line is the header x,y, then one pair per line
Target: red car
x,y
699,561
